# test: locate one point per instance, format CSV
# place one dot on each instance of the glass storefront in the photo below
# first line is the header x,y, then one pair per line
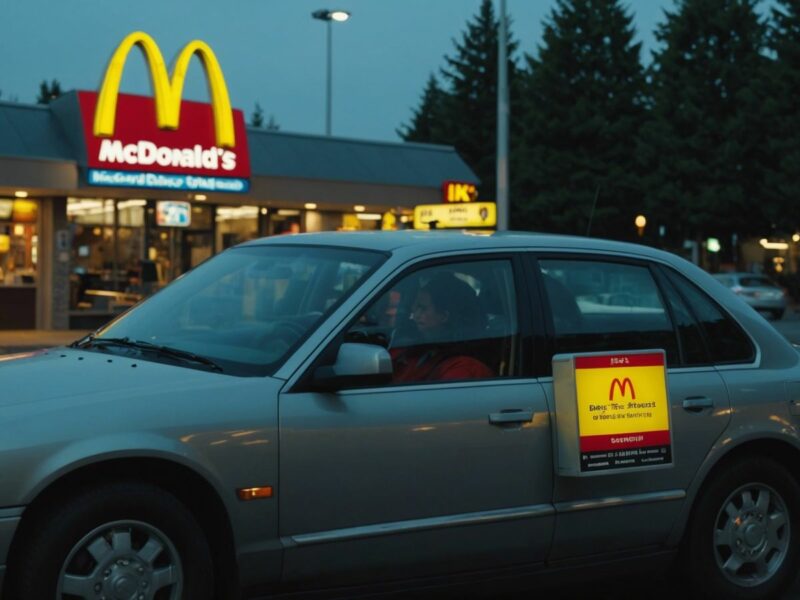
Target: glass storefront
x,y
125,250
19,245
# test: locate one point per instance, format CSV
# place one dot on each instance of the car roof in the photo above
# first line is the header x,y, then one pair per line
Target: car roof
x,y
424,242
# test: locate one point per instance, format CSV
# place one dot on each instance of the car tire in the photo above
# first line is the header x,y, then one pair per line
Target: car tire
x,y
110,541
742,541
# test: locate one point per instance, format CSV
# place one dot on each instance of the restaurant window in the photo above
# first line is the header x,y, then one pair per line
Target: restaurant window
x,y
176,247
18,242
236,224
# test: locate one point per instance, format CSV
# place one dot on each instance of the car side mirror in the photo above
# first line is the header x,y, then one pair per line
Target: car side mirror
x,y
357,365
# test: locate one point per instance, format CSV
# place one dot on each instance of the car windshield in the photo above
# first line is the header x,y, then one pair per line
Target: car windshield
x,y
757,282
244,309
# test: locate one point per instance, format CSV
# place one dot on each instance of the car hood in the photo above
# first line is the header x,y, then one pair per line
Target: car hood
x,y
66,373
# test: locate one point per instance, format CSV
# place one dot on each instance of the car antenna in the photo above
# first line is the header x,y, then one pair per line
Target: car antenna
x,y
591,214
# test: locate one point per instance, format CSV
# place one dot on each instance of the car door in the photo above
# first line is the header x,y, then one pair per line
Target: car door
x,y
614,304
422,476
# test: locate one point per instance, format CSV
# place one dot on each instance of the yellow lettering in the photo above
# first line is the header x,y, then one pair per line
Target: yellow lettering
x,y
167,92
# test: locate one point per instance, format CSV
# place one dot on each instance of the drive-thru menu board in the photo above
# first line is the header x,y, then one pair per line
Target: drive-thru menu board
x,y
612,412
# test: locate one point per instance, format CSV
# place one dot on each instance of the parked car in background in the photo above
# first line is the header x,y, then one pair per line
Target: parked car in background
x,y
329,412
758,291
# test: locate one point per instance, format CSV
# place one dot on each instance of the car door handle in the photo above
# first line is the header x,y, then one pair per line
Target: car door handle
x,y
697,403
511,415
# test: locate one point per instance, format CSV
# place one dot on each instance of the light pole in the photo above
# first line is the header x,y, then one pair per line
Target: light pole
x,y
502,122
329,15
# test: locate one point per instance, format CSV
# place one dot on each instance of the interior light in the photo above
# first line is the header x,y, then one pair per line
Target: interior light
x,y
311,205
369,217
20,194
359,208
200,197
264,211
288,212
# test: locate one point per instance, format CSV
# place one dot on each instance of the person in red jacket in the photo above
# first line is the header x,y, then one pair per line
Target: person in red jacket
x,y
445,314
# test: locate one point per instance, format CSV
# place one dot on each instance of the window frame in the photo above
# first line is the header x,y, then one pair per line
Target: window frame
x,y
525,343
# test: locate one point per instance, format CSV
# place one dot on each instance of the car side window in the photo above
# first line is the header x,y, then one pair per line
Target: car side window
x,y
727,342
606,306
454,321
694,351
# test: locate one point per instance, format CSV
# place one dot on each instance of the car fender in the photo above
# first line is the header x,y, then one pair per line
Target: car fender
x,y
778,428
81,453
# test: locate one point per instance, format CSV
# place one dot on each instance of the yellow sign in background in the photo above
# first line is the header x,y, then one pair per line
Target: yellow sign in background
x,y
469,214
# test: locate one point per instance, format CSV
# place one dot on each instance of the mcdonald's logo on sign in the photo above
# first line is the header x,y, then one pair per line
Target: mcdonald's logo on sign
x,y
164,141
622,385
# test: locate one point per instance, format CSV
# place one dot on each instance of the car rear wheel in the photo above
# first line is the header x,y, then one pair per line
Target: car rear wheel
x,y
742,542
125,540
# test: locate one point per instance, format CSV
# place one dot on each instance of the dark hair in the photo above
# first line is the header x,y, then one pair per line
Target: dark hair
x,y
451,294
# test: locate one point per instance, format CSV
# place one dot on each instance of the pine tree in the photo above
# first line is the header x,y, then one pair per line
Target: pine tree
x,y
782,184
704,146
427,122
574,158
257,118
470,105
48,93
272,124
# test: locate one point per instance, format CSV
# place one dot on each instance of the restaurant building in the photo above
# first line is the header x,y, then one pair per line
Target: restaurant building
x,y
104,199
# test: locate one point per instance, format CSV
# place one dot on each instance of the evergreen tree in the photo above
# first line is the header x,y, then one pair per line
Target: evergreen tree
x,y
272,124
782,184
705,144
463,113
48,93
470,105
574,158
257,118
428,119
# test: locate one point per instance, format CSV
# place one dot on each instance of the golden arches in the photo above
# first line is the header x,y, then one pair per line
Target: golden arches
x,y
167,92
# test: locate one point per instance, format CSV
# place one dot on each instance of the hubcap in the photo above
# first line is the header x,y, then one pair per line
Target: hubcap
x,y
751,535
123,560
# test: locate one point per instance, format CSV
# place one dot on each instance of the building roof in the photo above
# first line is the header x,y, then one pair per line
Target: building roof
x,y
55,133
31,131
278,154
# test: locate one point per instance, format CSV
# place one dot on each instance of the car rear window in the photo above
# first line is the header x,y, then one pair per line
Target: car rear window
x,y
727,341
757,282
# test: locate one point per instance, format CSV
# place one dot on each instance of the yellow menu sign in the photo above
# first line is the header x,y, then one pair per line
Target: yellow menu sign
x,y
612,412
623,411
459,215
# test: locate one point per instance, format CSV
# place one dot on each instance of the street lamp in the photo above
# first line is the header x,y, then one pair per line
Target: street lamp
x,y
329,15
640,221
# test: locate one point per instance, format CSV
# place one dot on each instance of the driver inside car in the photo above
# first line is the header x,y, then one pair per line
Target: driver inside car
x,y
445,316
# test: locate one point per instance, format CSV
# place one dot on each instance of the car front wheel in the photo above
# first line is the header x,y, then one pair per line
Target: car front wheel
x,y
125,540
742,542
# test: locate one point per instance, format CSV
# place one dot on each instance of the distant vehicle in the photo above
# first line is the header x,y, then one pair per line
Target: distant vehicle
x,y
335,412
758,291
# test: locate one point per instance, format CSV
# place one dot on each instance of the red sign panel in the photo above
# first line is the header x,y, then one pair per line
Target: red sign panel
x,y
457,191
139,145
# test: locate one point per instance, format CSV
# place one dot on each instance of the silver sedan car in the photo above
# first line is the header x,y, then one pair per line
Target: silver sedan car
x,y
758,291
333,411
